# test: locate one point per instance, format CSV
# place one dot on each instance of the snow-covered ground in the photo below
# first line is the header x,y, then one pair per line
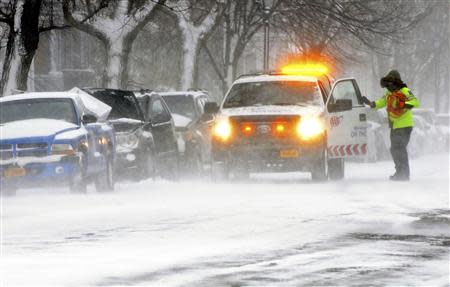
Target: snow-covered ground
x,y
275,230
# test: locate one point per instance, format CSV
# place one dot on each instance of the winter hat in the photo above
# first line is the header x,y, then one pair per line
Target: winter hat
x,y
394,74
392,79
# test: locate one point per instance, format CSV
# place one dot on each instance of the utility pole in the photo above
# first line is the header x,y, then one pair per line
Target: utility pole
x,y
267,5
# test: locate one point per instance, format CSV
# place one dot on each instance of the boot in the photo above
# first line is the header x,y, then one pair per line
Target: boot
x,y
399,177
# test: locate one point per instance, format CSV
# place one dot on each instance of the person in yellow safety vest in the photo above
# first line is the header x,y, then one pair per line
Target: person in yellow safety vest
x,y
399,101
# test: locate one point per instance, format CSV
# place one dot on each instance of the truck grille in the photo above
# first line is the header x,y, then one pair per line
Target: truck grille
x,y
6,151
32,146
265,130
9,151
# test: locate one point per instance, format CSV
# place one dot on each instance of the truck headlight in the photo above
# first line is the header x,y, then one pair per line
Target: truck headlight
x,y
63,149
222,129
309,128
127,140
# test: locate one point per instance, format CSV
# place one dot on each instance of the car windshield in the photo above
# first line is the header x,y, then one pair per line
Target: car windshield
x,y
274,93
55,109
123,104
181,105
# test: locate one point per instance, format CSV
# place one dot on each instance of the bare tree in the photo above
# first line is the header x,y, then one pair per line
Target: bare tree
x,y
196,20
25,21
116,26
332,27
22,18
240,22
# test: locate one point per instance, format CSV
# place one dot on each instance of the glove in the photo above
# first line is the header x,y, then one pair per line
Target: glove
x,y
408,106
368,102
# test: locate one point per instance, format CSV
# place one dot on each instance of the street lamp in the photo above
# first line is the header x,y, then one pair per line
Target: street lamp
x,y
267,6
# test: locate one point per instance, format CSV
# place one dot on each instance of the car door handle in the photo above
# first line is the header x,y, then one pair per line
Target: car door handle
x,y
362,117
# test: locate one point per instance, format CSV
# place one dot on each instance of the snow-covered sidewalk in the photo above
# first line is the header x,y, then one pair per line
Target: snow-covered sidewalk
x,y
275,230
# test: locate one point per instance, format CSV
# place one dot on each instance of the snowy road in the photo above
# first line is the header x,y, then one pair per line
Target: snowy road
x,y
276,230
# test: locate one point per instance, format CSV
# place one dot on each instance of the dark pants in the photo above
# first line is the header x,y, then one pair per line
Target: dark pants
x,y
399,141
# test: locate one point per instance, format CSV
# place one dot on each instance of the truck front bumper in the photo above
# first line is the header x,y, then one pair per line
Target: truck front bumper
x,y
269,157
38,171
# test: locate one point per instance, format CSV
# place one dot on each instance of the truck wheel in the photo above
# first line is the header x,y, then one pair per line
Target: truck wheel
x,y
105,180
219,171
241,172
319,170
78,182
336,168
8,190
171,170
195,166
148,166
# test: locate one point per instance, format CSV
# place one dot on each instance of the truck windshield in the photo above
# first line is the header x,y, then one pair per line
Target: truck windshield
x,y
181,105
55,109
274,93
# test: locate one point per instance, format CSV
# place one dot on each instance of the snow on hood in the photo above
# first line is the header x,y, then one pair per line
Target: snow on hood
x,y
90,105
181,121
34,128
273,110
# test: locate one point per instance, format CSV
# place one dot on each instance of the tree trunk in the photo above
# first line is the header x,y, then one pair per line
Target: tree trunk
x,y
22,44
190,46
115,63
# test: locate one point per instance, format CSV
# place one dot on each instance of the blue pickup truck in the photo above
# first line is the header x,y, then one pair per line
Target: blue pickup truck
x,y
55,138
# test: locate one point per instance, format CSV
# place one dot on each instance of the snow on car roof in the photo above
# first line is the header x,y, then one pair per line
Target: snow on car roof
x,y
39,95
86,103
140,94
184,93
271,78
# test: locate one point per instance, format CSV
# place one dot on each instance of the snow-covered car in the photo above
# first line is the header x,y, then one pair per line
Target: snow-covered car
x,y
443,125
157,113
145,138
378,141
55,137
288,121
193,133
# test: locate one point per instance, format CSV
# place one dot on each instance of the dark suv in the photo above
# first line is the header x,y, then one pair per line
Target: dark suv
x,y
145,141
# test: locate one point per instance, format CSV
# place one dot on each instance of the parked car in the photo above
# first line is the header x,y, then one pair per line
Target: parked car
x,y
193,131
55,137
145,138
158,114
378,141
437,138
443,125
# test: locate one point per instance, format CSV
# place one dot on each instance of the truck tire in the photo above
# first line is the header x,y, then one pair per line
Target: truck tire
x,y
241,172
105,181
78,182
336,168
220,171
8,190
147,166
319,171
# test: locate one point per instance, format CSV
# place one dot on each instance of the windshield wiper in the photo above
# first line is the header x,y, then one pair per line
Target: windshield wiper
x,y
289,104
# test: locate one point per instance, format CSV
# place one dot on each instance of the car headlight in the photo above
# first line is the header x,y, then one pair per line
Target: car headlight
x,y
310,128
222,129
127,140
63,149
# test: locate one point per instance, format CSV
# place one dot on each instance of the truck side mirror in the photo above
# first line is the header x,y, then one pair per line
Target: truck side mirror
x,y
211,108
89,119
340,105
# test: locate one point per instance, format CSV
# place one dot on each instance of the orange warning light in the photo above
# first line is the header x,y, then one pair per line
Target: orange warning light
x,y
279,128
248,129
305,69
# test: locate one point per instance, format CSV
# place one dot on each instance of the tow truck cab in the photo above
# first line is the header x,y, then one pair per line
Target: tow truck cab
x,y
288,122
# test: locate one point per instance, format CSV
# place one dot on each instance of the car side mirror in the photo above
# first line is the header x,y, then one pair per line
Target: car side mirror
x,y
340,105
89,119
211,108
